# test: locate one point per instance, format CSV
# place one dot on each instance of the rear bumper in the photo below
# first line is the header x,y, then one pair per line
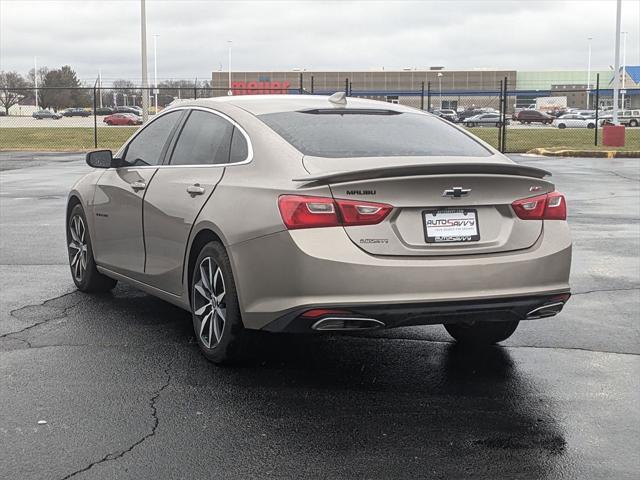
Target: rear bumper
x,y
279,276
391,316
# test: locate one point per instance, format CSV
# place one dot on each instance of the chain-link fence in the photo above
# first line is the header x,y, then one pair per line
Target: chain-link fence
x,y
511,119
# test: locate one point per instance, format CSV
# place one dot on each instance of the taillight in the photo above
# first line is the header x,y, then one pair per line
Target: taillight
x,y
550,206
354,212
300,211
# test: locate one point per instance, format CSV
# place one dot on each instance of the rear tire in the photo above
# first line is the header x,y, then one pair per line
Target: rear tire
x,y
633,123
215,309
482,333
83,266
562,126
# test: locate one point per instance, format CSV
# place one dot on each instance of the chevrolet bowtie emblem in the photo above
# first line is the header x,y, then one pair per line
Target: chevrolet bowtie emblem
x,y
456,192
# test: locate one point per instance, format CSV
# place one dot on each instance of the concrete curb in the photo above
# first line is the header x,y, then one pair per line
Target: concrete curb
x,y
586,153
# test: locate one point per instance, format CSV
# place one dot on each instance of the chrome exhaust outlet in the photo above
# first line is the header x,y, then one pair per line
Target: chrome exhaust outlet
x,y
545,311
346,323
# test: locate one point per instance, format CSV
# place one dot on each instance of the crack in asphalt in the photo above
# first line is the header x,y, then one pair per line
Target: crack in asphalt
x,y
156,421
63,314
605,290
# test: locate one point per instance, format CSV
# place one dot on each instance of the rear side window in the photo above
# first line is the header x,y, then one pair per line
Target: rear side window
x,y
239,148
147,147
205,139
371,134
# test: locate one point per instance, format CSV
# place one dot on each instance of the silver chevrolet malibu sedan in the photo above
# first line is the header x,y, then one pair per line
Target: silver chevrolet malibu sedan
x,y
301,213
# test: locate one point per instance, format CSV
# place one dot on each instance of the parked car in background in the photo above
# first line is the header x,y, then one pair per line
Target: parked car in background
x,y
532,116
75,112
450,115
104,111
126,109
574,120
484,120
41,114
470,112
585,113
630,118
123,119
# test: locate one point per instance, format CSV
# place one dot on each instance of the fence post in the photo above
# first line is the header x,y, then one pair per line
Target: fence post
x,y
300,87
95,118
346,87
597,107
504,115
422,96
312,84
501,109
428,96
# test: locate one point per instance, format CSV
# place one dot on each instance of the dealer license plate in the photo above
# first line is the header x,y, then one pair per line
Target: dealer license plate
x,y
451,225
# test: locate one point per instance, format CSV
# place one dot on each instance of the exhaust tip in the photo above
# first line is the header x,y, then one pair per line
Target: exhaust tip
x,y
544,311
346,323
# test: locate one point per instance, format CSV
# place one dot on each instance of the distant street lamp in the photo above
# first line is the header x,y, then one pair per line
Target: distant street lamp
x,y
143,51
155,70
440,87
616,66
589,72
624,67
229,92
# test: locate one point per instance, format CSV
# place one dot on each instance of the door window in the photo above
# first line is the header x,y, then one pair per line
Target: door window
x,y
147,147
205,139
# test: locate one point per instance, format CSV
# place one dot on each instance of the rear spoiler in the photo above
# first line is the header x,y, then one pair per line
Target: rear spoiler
x,y
427,169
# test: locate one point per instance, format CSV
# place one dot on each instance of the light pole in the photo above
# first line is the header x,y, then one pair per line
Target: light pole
x,y
616,67
155,70
143,48
440,87
589,72
35,79
229,92
100,85
624,66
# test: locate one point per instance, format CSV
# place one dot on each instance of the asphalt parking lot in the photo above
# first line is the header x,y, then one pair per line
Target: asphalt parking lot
x,y
125,393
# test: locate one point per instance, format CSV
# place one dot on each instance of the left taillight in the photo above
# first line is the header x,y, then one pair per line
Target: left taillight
x,y
299,211
550,206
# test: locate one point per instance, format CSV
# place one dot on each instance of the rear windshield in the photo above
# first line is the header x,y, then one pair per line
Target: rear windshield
x,y
372,133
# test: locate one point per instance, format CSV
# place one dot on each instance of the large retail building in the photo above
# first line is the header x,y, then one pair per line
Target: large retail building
x,y
442,88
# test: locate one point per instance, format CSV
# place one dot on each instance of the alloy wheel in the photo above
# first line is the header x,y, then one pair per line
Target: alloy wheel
x,y
78,247
209,303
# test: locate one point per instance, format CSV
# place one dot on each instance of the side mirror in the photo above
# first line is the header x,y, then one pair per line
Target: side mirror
x,y
100,159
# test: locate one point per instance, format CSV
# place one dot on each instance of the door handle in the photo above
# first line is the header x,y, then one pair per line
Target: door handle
x,y
195,189
138,185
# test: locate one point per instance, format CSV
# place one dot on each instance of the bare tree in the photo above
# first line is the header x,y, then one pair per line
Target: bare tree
x,y
13,88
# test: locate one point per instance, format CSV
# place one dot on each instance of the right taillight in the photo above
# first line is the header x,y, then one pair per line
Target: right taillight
x,y
300,211
550,206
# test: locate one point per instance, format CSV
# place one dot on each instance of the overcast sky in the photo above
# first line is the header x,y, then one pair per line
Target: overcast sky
x,y
282,35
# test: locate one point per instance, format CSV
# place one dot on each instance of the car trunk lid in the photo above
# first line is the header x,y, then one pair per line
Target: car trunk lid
x,y
436,203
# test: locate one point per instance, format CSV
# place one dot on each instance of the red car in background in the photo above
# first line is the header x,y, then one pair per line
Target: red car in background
x,y
123,119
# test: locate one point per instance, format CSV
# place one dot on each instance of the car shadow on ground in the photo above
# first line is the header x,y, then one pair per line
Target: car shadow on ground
x,y
345,402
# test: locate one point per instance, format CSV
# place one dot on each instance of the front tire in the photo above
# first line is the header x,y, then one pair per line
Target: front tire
x,y
83,267
562,126
482,333
215,309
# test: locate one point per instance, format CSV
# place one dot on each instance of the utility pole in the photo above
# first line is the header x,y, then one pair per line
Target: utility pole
x,y
35,79
155,70
616,67
145,80
100,85
624,67
589,72
229,92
